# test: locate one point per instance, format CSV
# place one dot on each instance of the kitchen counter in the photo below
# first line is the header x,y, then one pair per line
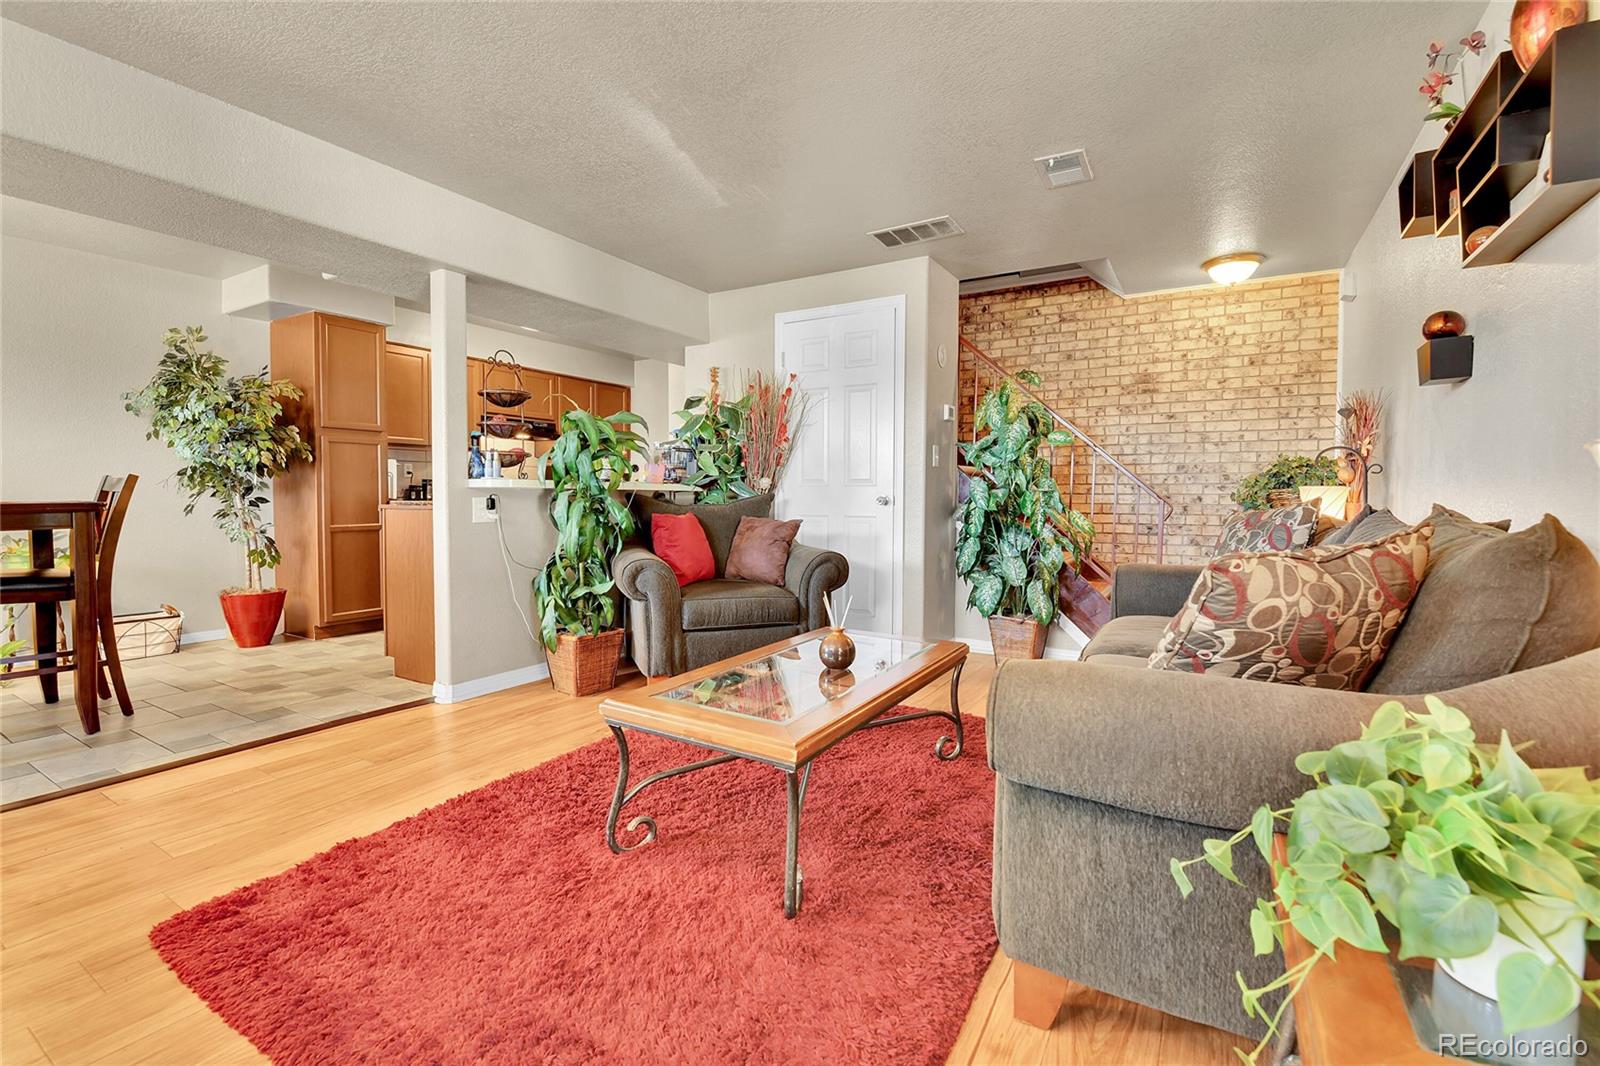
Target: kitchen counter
x,y
408,503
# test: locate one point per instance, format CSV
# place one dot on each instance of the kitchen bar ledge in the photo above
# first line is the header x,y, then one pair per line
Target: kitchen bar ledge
x,y
534,483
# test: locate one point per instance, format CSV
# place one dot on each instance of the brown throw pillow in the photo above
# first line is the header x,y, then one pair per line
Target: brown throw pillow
x,y
760,549
1498,604
1280,529
1322,617
1453,531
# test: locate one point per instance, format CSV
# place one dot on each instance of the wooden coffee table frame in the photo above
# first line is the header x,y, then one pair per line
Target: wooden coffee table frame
x,y
790,746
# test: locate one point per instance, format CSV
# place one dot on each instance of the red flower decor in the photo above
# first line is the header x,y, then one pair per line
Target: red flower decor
x,y
1475,43
1442,68
769,429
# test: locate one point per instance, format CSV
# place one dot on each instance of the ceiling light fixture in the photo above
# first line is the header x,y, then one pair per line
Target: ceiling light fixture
x,y
329,277
1234,268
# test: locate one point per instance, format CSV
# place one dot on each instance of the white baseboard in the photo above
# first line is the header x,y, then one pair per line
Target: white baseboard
x,y
985,648
200,636
482,686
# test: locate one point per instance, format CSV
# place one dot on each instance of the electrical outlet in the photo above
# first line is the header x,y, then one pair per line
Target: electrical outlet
x,y
484,509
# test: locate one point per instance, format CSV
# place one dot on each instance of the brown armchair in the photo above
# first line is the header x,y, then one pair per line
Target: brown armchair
x,y
672,629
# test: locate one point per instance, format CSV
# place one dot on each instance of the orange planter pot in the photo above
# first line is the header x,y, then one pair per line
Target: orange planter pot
x,y
252,617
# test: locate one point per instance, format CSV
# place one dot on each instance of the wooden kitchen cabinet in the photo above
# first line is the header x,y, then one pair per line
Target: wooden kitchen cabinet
x,y
407,551
549,395
610,399
574,394
406,395
326,512
474,396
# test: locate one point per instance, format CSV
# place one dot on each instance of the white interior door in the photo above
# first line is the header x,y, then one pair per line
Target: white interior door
x,y
843,480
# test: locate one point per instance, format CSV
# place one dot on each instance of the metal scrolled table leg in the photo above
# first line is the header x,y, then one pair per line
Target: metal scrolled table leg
x,y
623,793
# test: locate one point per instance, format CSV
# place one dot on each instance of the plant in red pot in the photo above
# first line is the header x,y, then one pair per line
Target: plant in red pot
x,y
233,438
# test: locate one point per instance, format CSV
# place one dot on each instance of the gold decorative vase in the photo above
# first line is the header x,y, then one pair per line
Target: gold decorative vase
x,y
838,651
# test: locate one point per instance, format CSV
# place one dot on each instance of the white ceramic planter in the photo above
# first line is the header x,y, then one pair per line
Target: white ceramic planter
x,y
1557,919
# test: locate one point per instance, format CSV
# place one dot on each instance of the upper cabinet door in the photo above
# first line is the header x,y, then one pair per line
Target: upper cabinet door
x,y
541,388
350,356
405,394
474,395
609,399
574,394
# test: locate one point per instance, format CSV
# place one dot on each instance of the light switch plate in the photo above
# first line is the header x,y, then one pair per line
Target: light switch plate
x,y
482,512
948,412
936,455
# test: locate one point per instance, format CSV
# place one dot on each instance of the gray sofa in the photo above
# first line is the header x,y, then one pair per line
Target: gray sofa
x,y
1105,770
673,629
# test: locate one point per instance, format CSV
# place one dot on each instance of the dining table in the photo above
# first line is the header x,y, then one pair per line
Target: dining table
x,y
80,518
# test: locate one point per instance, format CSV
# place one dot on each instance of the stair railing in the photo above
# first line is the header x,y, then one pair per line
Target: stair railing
x,y
1129,515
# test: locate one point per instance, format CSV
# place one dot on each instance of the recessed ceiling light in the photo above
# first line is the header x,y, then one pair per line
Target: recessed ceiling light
x,y
1064,168
530,329
329,277
1234,268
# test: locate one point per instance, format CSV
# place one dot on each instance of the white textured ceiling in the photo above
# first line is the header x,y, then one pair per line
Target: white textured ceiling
x,y
731,144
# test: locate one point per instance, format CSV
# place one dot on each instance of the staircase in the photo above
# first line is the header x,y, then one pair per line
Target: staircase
x,y
1129,516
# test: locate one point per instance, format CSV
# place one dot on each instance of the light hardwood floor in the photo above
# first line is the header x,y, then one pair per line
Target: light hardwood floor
x,y
83,878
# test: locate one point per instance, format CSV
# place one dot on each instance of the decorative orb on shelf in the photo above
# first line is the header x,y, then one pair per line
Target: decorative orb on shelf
x,y
1534,22
1444,324
1478,237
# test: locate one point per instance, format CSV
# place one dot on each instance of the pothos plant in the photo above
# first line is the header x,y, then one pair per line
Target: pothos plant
x,y
230,433
1447,840
587,464
1016,532
714,428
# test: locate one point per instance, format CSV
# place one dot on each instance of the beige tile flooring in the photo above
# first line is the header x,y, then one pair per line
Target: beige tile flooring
x,y
207,698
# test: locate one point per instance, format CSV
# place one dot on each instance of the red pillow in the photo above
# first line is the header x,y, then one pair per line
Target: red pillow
x,y
681,542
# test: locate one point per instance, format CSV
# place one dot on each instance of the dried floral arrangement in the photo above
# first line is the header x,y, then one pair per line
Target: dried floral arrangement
x,y
772,422
1443,68
1360,418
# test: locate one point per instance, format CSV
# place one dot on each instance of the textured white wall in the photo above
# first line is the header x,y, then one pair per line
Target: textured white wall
x,y
742,337
76,331
1509,442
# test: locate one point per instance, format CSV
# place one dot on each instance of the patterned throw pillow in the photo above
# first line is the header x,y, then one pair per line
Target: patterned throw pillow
x,y
1323,617
1280,529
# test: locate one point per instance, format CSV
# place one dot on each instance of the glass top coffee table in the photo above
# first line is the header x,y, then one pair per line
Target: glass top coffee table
x,y
779,705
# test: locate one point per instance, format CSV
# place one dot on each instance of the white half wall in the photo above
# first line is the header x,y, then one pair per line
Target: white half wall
x,y
77,330
1508,442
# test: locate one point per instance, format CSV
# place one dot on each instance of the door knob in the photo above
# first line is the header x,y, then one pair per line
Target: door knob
x,y
884,501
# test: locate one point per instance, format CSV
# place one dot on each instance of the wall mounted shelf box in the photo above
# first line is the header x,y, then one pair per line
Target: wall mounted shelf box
x,y
1444,360
1558,96
1416,197
1498,80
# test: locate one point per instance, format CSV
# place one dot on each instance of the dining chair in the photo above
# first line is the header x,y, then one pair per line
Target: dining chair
x,y
47,586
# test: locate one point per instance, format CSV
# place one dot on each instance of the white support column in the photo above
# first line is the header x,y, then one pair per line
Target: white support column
x,y
447,312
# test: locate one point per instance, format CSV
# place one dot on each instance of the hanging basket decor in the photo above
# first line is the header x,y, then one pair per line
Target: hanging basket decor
x,y
513,397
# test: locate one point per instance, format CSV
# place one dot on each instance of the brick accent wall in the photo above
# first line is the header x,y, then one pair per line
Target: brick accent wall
x,y
1190,390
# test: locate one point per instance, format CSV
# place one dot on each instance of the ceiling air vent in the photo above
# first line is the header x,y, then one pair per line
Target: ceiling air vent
x,y
1064,168
929,229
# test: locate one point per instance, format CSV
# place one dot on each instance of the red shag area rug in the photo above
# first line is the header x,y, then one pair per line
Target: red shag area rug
x,y
498,927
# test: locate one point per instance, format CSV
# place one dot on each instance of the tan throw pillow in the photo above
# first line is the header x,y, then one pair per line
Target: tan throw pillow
x,y
1280,529
760,549
1453,531
1496,605
1322,617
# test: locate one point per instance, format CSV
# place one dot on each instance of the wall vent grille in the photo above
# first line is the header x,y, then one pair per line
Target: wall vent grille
x,y
929,229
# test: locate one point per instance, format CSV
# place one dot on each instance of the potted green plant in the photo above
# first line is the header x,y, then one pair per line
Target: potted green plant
x,y
714,428
233,439
1476,860
1279,484
1016,533
573,590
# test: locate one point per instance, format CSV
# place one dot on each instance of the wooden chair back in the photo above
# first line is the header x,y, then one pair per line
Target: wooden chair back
x,y
114,496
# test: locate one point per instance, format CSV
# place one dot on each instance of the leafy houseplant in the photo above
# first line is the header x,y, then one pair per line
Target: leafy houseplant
x,y
714,428
573,590
1286,472
233,439
1015,530
1453,843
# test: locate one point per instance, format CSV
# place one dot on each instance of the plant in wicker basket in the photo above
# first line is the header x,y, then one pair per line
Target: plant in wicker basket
x,y
1285,474
1016,532
574,589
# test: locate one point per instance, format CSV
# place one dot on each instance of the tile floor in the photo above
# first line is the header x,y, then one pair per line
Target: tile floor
x,y
207,698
